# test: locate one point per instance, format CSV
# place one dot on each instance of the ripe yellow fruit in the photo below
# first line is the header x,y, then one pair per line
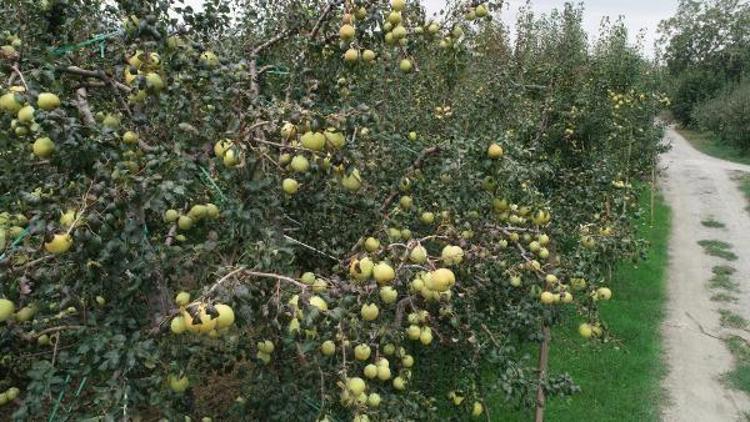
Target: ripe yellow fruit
x,y
263,357
425,336
231,158
495,151
383,273
26,313
197,212
551,279
388,294
266,346
177,326
130,137
288,130
369,312
60,243
418,255
603,293
481,11
398,5
373,400
25,114
100,300
372,244
383,372
394,18
300,164
352,182
407,361
328,348
477,409
399,32
111,121
566,297
361,269
313,140
212,211
290,186
406,202
351,55
209,58
452,255
368,56
547,298
178,384
47,101
221,147
413,332
370,371
154,81
226,315
170,216
405,65
8,103
356,385
12,393
347,32
362,352
43,147
184,222
585,330
442,279
202,323
399,383
427,218
319,303
6,309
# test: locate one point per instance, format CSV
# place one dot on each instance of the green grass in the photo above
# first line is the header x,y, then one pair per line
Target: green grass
x,y
711,145
732,320
739,377
724,297
620,380
744,181
722,278
718,248
711,223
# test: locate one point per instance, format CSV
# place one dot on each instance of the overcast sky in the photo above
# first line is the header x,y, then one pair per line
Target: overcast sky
x,y
639,14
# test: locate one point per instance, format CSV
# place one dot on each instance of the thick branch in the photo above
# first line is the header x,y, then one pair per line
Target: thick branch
x,y
83,107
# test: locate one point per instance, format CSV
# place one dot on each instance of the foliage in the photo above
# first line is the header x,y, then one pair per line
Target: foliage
x,y
228,153
706,49
726,116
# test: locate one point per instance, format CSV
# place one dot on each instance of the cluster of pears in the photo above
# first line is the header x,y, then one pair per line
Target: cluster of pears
x,y
144,70
457,399
520,215
347,33
14,102
197,213
8,312
11,227
477,12
418,328
354,389
9,50
319,143
9,395
200,317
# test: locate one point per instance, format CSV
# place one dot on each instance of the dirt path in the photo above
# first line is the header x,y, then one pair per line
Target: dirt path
x,y
699,187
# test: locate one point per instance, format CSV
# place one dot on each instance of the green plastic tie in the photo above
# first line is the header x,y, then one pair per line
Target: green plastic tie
x,y
59,399
100,39
213,184
15,243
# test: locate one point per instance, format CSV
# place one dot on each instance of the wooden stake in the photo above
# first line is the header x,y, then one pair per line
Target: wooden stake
x,y
543,359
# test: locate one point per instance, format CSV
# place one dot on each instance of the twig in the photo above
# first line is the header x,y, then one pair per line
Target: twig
x,y
83,107
20,75
293,240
